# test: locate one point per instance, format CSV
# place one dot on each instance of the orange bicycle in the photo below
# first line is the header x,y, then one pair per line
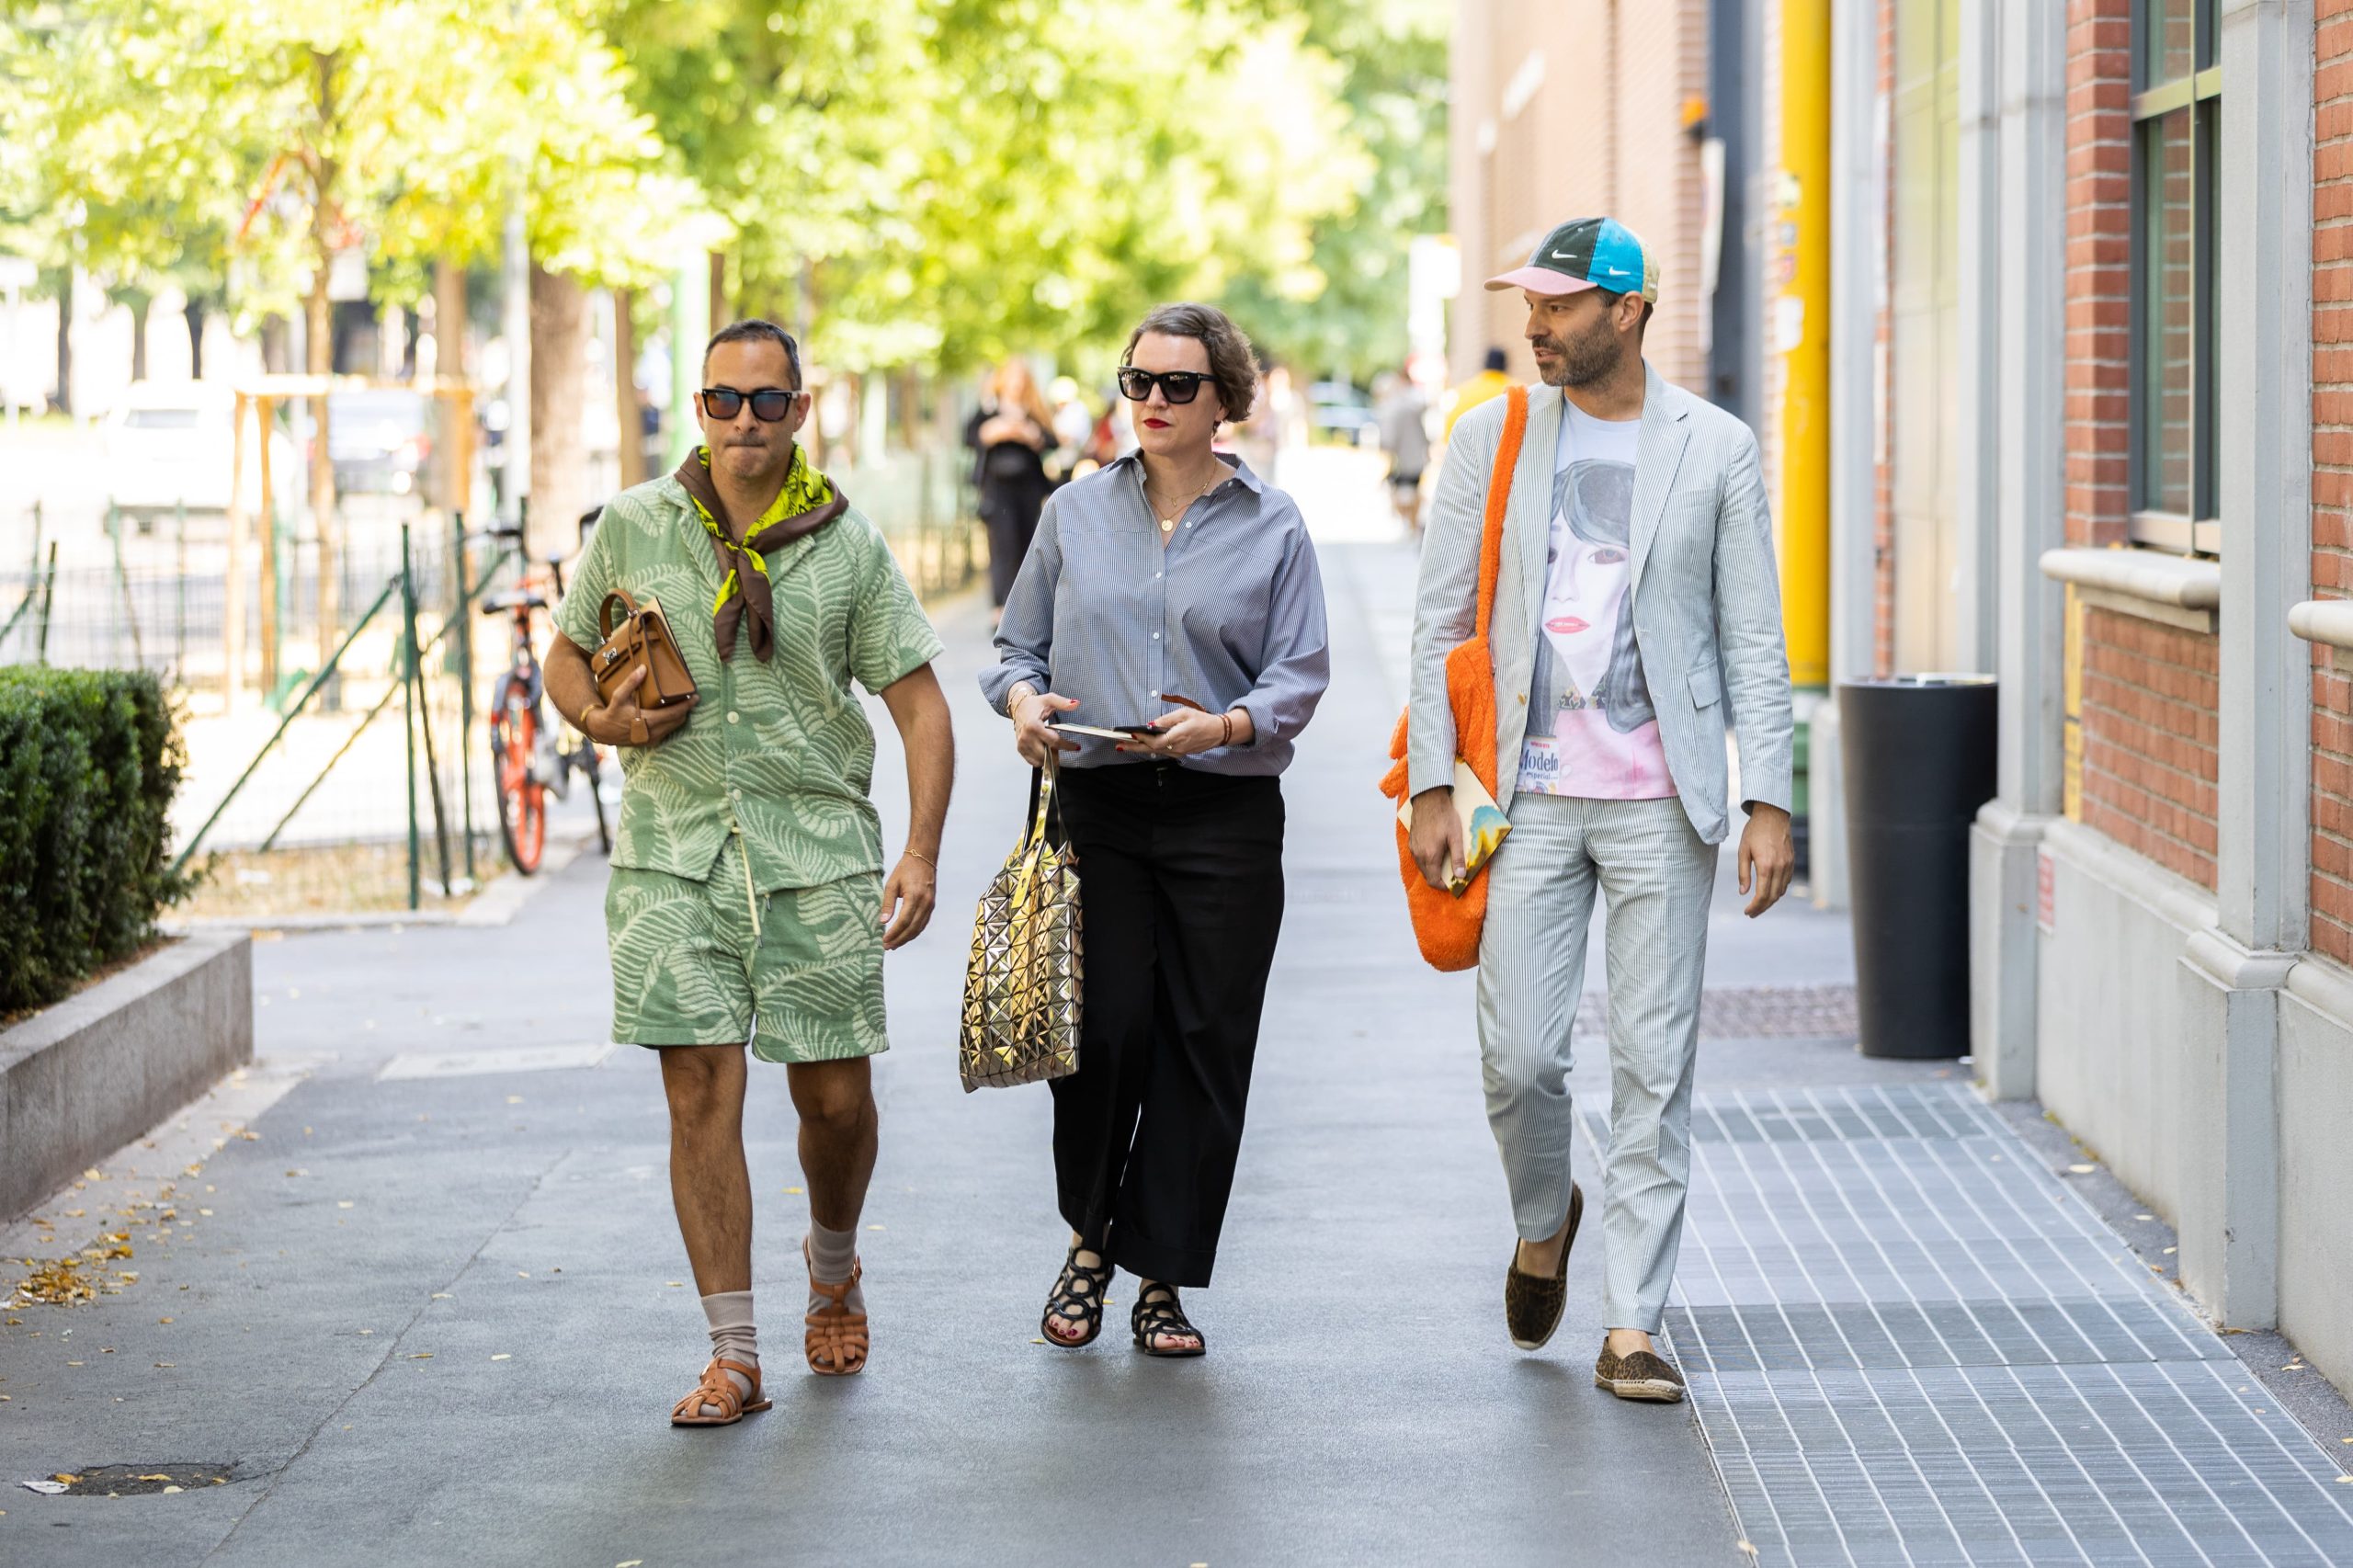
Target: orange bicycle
x,y
527,759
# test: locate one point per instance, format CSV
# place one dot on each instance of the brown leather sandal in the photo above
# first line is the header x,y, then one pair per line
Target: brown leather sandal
x,y
836,1342
718,1388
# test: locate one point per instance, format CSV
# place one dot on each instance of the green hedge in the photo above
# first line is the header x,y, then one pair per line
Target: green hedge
x,y
88,763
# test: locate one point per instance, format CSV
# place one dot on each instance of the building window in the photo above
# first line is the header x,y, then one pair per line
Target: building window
x,y
2177,121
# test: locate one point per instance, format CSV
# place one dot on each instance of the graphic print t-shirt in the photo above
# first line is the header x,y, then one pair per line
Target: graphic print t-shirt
x,y
1592,733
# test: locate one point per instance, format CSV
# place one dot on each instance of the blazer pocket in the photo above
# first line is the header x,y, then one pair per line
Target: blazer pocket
x,y
1705,687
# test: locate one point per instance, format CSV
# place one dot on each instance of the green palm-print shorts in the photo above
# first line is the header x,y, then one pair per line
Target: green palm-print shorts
x,y
689,968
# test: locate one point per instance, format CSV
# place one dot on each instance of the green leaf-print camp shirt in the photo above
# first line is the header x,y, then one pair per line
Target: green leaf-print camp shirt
x,y
780,751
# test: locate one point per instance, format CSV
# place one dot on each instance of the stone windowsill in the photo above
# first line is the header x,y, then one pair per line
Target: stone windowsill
x,y
2173,590
2328,623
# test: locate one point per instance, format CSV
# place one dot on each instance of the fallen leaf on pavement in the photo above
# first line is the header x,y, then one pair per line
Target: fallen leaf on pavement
x,y
502,1357
46,1488
169,1490
422,1356
2081,1170
155,1478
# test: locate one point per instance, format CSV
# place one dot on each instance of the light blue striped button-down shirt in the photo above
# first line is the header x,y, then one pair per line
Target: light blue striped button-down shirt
x,y
1230,614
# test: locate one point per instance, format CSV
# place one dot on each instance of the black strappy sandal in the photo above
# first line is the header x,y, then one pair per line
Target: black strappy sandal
x,y
1078,1298
1157,1311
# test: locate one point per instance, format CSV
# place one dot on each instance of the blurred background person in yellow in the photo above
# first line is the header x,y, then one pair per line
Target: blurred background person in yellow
x,y
1490,382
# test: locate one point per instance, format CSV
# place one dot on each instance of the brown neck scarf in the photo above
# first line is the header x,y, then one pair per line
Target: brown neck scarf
x,y
807,503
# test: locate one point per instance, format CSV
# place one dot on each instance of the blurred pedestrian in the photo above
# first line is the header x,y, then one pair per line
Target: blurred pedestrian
x,y
1072,424
1010,435
748,899
1401,412
1174,588
1657,603
1491,380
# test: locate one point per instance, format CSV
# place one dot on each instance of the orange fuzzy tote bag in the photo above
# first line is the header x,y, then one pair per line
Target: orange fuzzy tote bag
x,y
1447,923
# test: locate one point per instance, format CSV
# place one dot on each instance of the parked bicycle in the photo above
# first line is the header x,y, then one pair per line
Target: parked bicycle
x,y
529,758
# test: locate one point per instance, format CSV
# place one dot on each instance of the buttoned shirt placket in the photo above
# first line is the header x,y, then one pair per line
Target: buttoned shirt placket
x,y
735,746
1164,560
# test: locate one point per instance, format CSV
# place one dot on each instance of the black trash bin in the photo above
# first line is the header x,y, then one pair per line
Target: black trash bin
x,y
1918,755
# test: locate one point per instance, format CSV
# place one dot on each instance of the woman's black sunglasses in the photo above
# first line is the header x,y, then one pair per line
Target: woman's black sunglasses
x,y
1177,386
768,404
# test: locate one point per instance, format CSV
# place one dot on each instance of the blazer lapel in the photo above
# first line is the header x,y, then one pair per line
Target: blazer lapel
x,y
1530,511
1658,452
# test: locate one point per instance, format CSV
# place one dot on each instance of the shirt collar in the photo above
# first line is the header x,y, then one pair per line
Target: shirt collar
x,y
1250,482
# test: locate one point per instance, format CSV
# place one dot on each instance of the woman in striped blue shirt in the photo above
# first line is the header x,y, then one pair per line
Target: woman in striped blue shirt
x,y
1172,588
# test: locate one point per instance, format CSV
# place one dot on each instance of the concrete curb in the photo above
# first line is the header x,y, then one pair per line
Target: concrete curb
x,y
87,1075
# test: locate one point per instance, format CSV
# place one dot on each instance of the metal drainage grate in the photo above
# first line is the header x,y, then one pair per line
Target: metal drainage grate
x,y
1755,1012
1907,1342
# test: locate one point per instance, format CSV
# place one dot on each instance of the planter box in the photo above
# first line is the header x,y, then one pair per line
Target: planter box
x,y
82,1078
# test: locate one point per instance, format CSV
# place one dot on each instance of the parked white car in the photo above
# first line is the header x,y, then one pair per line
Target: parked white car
x,y
170,443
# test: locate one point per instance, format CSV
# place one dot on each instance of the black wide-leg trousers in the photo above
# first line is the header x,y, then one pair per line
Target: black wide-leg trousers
x,y
1181,899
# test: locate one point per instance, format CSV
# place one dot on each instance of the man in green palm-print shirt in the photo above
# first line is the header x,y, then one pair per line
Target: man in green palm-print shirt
x,y
748,900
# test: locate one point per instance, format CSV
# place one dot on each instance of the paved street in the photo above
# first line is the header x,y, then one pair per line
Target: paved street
x,y
435,1310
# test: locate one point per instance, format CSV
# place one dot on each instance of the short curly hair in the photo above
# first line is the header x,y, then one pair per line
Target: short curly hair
x,y
1233,364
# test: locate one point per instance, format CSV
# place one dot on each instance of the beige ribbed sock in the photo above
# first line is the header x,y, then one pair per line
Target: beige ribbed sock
x,y
733,1335
832,1254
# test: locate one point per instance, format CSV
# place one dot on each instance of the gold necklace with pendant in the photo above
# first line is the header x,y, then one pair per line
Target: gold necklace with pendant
x,y
1168,523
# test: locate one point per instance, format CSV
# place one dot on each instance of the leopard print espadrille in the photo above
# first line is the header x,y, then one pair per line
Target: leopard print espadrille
x,y
1533,1304
1639,1376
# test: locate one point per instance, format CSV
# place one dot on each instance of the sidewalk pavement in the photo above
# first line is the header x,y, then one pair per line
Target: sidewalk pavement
x,y
435,1309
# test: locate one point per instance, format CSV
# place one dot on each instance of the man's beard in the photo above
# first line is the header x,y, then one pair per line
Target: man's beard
x,y
1591,357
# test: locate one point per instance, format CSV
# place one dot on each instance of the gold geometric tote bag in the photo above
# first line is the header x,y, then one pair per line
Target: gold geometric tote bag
x,y
1021,985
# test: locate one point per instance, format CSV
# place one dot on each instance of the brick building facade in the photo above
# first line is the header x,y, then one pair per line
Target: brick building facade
x,y
2152,385
1564,108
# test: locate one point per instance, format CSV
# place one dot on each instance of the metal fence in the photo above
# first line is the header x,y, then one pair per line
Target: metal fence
x,y
321,779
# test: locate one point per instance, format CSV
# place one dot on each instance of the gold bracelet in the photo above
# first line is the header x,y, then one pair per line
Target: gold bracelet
x,y
924,858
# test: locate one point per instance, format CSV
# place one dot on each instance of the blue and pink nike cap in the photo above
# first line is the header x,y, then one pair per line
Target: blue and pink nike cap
x,y
1587,253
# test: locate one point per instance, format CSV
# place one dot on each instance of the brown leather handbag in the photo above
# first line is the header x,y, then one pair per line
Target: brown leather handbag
x,y
640,641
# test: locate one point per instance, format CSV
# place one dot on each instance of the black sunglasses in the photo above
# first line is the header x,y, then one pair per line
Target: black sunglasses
x,y
1176,386
768,404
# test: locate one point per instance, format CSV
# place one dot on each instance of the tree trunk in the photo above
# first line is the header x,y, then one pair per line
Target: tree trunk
x,y
719,316
449,320
625,404
139,306
65,343
194,312
452,450
559,370
318,345
319,333
273,360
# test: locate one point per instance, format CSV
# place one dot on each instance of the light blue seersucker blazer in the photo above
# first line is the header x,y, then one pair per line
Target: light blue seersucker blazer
x,y
1707,597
